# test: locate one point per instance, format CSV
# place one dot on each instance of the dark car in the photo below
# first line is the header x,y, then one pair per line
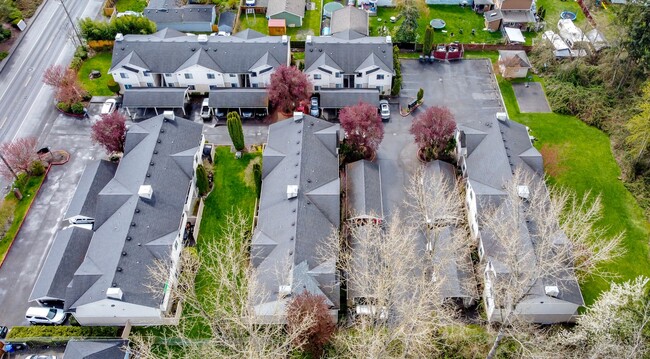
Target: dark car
x,y
3,332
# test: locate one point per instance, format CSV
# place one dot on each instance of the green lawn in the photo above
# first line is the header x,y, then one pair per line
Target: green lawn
x,y
555,7
456,17
310,23
19,211
96,87
588,165
258,22
133,5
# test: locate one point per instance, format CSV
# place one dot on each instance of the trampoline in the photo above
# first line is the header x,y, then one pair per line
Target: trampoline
x,y
438,24
568,15
329,8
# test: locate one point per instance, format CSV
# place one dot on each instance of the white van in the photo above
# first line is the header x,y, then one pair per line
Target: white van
x,y
206,111
44,315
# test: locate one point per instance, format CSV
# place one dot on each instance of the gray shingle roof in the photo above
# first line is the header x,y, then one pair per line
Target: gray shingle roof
x,y
138,227
339,98
95,176
350,18
166,51
227,21
63,259
290,231
166,11
95,349
363,189
239,98
520,57
149,97
349,52
296,7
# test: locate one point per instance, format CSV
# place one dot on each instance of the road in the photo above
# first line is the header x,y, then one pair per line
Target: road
x,y
26,109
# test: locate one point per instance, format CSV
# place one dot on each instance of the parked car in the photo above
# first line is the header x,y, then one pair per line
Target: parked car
x,y
384,110
260,113
3,332
221,113
45,315
41,356
108,106
206,111
313,107
250,2
247,113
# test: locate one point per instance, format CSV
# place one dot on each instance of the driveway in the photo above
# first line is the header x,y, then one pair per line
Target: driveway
x,y
23,262
530,97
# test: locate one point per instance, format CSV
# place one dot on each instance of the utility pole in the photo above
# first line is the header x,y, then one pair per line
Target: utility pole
x,y
9,167
74,27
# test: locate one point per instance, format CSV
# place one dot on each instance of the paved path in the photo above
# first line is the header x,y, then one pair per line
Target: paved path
x,y
531,97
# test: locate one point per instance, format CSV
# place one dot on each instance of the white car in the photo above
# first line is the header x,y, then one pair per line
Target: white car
x,y
108,106
44,315
250,2
129,13
384,110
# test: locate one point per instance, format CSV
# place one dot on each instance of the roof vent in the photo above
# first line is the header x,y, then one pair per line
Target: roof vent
x,y
308,40
119,37
284,291
297,116
389,40
523,192
114,293
502,116
552,290
292,191
285,39
202,38
168,115
145,191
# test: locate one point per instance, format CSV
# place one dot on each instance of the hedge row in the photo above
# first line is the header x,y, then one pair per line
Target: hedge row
x,y
61,332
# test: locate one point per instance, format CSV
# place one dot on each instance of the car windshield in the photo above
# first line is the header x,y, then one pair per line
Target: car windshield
x,y
51,313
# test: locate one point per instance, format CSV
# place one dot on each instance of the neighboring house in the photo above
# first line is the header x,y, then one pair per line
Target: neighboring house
x,y
96,349
349,60
227,21
450,2
293,11
142,98
186,18
510,13
350,18
299,211
200,63
571,34
125,219
363,192
513,63
560,48
489,150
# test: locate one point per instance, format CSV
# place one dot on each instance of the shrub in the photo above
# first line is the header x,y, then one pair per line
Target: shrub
x,y
37,168
420,94
310,307
113,86
76,63
77,108
81,52
15,16
65,107
28,7
202,180
49,334
101,45
5,34
3,54
257,177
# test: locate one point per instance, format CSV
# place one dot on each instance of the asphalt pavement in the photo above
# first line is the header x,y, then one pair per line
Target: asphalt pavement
x,y
27,109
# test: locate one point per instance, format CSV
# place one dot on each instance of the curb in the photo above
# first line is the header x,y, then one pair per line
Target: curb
x,y
20,226
3,63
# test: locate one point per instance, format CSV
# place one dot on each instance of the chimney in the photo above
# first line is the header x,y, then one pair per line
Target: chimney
x,y
169,115
202,38
145,192
389,40
284,291
552,290
285,39
292,191
119,37
114,293
308,40
502,116
297,116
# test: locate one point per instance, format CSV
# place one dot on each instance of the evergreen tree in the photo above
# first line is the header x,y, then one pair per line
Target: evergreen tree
x,y
235,130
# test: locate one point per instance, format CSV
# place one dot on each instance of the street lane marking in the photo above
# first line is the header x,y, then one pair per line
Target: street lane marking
x,y
27,82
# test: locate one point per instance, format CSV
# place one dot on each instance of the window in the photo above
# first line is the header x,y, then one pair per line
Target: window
x,y
316,88
168,75
233,85
210,76
338,86
213,87
256,85
149,84
338,75
317,77
123,75
191,87
170,85
359,74
380,77
233,75
253,74
188,76
128,86
146,73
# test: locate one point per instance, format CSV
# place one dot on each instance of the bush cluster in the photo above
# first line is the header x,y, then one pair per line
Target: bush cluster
x,y
101,45
5,34
93,30
59,333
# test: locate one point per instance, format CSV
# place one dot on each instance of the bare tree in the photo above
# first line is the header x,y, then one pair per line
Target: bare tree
x,y
396,304
221,303
534,238
19,156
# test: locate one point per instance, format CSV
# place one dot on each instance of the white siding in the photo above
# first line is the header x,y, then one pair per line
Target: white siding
x,y
199,78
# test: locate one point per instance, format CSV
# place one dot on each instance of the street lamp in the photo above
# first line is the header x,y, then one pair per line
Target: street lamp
x,y
71,22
